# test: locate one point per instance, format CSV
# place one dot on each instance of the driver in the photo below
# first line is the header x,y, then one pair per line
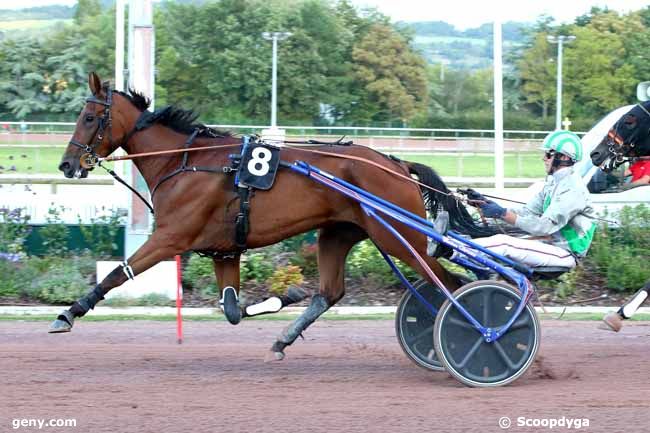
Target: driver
x,y
558,218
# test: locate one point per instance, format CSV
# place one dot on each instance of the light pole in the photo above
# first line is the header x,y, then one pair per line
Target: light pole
x,y
275,37
559,40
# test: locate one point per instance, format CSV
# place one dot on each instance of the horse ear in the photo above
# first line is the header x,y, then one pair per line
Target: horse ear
x,y
94,83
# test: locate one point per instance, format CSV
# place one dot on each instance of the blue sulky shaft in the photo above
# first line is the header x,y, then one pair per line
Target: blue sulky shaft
x,y
371,204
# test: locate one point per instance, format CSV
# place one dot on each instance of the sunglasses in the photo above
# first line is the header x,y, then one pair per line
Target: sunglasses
x,y
549,154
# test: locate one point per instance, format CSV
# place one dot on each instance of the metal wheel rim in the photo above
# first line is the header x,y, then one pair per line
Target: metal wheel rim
x,y
414,327
523,337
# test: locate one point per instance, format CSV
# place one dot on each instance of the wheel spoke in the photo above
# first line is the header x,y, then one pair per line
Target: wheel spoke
x,y
419,335
487,295
471,352
521,322
463,323
504,356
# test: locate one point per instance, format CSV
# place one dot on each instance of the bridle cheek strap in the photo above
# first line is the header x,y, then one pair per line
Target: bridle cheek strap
x,y
104,124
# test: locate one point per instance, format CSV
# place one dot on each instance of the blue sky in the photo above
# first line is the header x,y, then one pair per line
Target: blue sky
x,y
462,14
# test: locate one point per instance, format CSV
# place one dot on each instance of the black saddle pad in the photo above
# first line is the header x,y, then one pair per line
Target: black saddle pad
x,y
259,165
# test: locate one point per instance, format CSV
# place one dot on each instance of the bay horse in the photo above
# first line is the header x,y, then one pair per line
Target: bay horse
x,y
629,138
196,204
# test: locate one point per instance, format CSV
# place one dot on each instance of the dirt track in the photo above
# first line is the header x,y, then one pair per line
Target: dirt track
x,y
345,377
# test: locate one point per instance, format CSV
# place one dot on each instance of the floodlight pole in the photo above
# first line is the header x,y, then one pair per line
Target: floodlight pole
x,y
559,40
275,37
498,108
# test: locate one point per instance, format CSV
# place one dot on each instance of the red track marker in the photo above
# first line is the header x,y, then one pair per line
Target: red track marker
x,y
179,301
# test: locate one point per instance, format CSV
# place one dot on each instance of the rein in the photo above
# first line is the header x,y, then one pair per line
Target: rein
x,y
163,152
335,155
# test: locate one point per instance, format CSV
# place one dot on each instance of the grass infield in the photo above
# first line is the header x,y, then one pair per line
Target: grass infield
x,y
45,160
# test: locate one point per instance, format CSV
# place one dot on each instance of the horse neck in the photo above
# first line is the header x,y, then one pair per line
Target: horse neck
x,y
154,139
159,138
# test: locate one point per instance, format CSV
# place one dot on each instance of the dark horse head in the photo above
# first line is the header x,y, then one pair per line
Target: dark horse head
x,y
628,138
95,135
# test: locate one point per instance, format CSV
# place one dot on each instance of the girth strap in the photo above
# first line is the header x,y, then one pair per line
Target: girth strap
x,y
242,225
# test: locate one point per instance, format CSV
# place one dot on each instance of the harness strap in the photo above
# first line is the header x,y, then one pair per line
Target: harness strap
x,y
242,225
123,182
216,170
188,143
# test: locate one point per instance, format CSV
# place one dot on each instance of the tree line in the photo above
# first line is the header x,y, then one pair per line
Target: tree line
x,y
341,66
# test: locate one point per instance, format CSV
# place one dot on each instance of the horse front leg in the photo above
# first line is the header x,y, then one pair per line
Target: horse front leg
x,y
158,247
227,272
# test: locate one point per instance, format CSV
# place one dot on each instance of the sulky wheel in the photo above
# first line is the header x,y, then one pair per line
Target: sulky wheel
x,y
414,325
461,348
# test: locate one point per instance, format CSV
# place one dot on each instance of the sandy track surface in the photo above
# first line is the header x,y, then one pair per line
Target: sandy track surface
x,y
344,377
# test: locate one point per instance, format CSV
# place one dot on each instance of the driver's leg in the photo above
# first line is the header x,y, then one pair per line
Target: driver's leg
x,y
528,252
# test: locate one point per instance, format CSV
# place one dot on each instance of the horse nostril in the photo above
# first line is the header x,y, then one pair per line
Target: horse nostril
x,y
64,166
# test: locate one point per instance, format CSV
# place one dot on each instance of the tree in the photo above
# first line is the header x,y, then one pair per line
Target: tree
x,y
392,74
22,78
597,76
86,9
538,74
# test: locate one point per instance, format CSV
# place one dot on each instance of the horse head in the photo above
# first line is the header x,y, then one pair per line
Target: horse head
x,y
101,128
628,138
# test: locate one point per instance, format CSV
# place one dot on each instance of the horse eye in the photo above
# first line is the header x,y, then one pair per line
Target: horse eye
x,y
89,118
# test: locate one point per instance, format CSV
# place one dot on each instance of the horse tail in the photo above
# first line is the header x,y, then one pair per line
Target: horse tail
x,y
441,199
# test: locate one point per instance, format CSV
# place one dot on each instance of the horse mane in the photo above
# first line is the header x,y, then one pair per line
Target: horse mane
x,y
178,119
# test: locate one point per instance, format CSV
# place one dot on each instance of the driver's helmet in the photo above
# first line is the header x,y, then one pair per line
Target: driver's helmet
x,y
564,142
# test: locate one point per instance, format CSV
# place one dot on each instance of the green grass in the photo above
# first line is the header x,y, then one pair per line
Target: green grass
x,y
45,160
30,160
520,165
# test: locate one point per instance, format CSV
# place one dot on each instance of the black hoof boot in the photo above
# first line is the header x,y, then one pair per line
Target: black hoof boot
x,y
293,296
276,353
63,323
230,304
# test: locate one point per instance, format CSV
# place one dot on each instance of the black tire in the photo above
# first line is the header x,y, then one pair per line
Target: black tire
x,y
463,351
414,325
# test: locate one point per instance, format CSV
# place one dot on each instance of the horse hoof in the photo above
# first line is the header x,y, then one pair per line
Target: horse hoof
x,y
63,323
273,356
230,305
612,322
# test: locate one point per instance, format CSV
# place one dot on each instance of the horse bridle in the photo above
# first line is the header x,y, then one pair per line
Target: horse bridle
x,y
89,158
616,145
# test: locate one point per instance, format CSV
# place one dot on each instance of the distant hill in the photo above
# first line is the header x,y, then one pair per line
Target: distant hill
x,y
441,42
438,41
38,13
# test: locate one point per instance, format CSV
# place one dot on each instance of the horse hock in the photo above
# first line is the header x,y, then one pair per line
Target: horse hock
x,y
318,306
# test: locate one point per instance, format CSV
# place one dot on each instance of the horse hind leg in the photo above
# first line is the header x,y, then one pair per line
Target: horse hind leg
x,y
334,243
274,304
227,272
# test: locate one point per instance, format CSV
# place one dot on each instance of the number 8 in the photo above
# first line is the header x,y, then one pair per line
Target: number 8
x,y
261,157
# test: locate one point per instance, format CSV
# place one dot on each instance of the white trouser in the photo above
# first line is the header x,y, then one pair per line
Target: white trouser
x,y
528,252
